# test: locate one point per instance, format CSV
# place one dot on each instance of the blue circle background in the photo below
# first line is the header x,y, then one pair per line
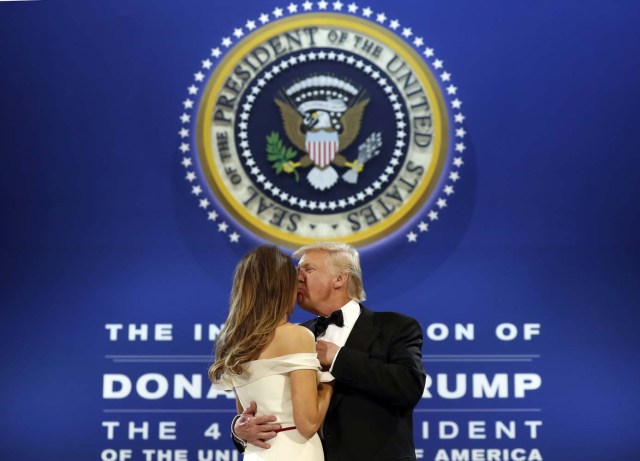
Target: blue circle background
x,y
378,116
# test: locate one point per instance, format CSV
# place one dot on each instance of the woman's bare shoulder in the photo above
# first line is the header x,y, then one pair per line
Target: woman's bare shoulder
x,y
291,339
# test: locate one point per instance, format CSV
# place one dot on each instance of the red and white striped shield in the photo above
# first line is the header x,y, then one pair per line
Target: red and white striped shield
x,y
322,147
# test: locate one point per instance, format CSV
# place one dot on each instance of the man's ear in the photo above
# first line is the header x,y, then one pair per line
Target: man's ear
x,y
341,280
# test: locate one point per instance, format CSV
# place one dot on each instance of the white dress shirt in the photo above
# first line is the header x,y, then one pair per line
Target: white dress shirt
x,y
338,335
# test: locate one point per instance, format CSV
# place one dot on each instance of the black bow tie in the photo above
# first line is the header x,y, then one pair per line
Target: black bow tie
x,y
323,322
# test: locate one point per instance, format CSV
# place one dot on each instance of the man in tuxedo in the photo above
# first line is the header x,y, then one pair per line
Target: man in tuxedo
x,y
375,357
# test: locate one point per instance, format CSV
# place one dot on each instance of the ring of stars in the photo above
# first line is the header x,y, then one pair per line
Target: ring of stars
x,y
352,8
342,203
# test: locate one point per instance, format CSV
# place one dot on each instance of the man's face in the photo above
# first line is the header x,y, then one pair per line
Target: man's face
x,y
316,283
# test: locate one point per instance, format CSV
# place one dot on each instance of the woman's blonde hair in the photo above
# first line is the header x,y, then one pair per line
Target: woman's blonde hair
x,y
262,295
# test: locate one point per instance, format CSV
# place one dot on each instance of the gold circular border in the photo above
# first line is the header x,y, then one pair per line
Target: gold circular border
x,y
227,64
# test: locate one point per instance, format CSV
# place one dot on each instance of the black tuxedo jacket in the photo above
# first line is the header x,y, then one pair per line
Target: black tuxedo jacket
x,y
379,381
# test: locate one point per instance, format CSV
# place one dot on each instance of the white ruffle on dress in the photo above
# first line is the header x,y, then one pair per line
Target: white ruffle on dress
x,y
267,382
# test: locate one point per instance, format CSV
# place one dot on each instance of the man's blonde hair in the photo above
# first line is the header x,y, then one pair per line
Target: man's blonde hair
x,y
342,258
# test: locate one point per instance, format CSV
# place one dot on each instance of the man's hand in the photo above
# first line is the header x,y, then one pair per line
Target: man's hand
x,y
255,429
326,353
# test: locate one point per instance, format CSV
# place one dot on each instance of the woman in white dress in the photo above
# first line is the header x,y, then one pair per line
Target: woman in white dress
x,y
267,359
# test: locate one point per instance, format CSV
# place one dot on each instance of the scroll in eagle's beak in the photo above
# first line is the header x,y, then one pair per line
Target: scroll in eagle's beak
x,y
311,119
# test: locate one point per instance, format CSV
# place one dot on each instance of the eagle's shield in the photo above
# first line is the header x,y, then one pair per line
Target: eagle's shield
x,y
322,147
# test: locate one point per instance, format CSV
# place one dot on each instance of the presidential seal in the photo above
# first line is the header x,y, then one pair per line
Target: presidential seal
x,y
321,125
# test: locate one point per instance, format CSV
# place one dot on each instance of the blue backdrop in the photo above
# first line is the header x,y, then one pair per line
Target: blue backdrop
x,y
100,227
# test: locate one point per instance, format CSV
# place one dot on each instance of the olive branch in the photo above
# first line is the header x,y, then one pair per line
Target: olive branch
x,y
279,155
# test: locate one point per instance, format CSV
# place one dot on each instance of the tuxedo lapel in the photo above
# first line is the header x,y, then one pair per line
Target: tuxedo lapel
x,y
360,338
362,335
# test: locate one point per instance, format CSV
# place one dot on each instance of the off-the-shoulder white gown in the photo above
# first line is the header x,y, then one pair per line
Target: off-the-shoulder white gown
x,y
267,382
